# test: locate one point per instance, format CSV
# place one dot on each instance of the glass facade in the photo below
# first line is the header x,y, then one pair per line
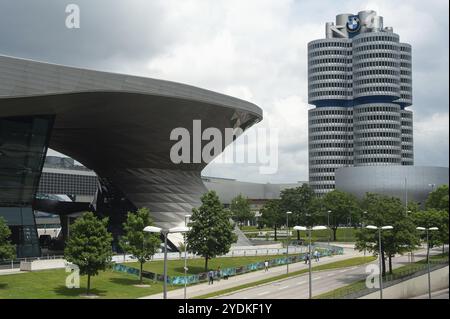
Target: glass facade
x,y
23,146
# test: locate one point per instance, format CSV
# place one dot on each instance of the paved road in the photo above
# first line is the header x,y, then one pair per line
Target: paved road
x,y
322,281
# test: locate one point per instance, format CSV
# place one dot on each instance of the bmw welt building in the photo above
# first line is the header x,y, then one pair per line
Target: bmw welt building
x,y
116,125
359,81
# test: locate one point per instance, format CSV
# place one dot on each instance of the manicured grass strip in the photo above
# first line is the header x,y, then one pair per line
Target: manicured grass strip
x,y
51,284
338,264
197,265
361,284
343,291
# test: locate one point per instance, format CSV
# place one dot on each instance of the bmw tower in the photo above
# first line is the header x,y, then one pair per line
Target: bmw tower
x,y
359,81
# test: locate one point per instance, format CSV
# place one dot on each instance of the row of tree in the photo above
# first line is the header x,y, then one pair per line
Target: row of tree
x,y
89,246
338,208
211,234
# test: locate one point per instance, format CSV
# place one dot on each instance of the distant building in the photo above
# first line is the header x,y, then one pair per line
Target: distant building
x,y
117,125
360,82
409,183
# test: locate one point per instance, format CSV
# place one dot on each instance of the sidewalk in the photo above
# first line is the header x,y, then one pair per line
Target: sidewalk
x,y
204,288
10,271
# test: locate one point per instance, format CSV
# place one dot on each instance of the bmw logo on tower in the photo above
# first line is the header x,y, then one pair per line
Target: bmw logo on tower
x,y
353,24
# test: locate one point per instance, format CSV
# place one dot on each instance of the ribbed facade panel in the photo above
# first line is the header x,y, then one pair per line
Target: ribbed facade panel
x,y
330,70
407,138
377,134
330,144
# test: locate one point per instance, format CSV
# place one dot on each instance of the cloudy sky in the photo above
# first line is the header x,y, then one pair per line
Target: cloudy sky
x,y
252,49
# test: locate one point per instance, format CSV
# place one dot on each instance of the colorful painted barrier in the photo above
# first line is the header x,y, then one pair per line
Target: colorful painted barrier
x,y
324,250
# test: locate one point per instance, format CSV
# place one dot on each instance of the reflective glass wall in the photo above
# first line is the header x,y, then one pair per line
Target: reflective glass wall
x,y
23,146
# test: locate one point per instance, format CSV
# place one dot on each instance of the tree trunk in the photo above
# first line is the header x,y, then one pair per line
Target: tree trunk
x,y
275,229
298,235
206,264
334,234
383,263
390,264
140,273
88,285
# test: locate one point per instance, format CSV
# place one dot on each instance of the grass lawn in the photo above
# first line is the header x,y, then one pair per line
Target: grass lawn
x,y
50,284
176,267
338,264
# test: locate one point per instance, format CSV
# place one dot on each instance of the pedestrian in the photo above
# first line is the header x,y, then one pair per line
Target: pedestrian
x,y
211,277
306,258
318,255
218,273
266,265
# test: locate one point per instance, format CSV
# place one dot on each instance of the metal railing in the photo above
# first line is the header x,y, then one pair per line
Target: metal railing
x,y
15,263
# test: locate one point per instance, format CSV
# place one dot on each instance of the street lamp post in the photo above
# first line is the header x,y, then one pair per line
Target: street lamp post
x,y
329,230
165,233
288,236
309,229
362,226
186,218
428,256
379,253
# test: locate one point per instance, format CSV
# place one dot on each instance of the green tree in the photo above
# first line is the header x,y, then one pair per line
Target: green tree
x,y
272,216
383,211
142,245
7,250
211,231
438,199
89,245
342,206
433,218
240,209
298,201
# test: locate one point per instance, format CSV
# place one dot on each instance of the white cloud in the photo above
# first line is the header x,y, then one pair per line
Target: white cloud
x,y
256,50
431,137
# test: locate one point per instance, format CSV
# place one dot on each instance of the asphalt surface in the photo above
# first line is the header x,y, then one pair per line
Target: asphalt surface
x,y
322,281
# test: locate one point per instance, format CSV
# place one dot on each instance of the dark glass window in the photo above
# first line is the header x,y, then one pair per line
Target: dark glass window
x,y
23,145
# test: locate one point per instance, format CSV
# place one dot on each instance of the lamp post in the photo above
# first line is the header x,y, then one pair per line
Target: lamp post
x,y
428,256
411,253
186,218
165,232
288,236
379,253
309,229
329,230
362,226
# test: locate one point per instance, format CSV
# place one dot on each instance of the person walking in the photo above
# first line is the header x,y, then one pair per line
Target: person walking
x,y
266,265
306,258
211,277
318,256
218,273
